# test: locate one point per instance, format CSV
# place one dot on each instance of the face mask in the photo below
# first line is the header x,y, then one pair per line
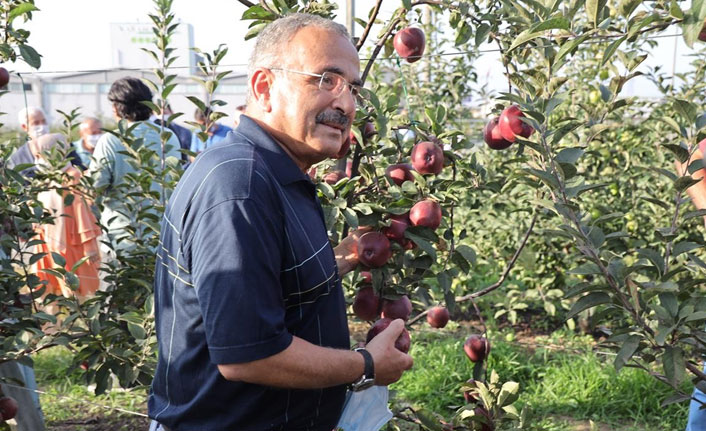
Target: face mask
x,y
366,410
91,141
37,131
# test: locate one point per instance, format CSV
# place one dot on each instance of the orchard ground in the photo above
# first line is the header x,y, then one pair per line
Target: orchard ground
x,y
566,378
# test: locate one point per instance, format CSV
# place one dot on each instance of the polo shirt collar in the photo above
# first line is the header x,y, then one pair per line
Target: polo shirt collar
x,y
283,167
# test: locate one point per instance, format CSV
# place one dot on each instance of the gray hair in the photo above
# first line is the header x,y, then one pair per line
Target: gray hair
x,y
86,122
273,38
25,113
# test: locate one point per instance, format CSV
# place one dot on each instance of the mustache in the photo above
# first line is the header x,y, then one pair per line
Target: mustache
x,y
333,117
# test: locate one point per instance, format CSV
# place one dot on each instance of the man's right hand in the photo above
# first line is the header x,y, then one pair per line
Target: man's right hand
x,y
389,362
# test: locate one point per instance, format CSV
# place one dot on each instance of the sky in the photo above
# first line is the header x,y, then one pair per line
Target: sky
x,y
74,35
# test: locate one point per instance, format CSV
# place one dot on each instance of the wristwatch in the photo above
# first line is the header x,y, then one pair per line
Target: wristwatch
x,y
368,378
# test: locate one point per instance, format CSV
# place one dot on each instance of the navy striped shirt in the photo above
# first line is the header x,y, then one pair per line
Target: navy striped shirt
x,y
245,264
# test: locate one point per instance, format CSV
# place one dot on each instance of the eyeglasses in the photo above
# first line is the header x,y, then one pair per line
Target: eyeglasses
x,y
329,81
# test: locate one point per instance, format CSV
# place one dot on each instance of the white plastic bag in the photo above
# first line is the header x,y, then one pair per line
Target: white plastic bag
x,y
365,410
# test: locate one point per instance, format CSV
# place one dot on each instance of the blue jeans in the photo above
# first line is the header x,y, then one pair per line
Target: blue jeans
x,y
697,415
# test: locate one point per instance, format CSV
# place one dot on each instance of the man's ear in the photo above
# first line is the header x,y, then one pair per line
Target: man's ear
x,y
260,86
24,128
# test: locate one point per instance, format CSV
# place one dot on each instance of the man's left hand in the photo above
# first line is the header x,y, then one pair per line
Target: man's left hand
x,y
346,251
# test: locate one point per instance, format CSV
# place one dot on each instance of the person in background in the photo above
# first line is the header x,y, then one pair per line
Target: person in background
x,y
239,110
73,234
33,122
216,132
182,133
89,132
697,193
112,162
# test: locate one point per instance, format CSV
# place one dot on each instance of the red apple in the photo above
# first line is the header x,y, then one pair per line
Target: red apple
x,y
492,136
367,276
510,124
397,309
366,304
486,421
373,249
702,33
426,213
399,173
427,158
8,408
334,176
398,224
84,365
470,396
476,347
409,43
4,77
369,130
403,341
438,317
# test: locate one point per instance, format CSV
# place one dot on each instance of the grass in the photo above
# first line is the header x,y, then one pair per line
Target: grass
x,y
69,404
561,384
562,381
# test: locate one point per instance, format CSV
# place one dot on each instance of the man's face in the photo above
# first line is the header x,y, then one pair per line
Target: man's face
x,y
313,123
90,134
35,119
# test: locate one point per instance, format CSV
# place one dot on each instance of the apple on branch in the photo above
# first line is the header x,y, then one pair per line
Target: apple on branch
x,y
426,213
409,43
476,347
4,77
511,126
397,309
366,305
399,173
438,317
427,158
493,137
373,249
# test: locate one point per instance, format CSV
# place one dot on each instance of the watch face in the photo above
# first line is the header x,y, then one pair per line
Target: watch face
x,y
362,384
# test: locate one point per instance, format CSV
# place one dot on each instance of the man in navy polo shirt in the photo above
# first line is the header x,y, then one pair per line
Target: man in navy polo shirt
x,y
250,314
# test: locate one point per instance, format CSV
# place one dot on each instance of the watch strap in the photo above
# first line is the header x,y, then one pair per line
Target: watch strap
x,y
369,372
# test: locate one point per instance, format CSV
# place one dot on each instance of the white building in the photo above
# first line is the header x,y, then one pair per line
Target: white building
x,y
88,90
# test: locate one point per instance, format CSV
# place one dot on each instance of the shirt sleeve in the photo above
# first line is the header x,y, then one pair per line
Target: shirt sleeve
x,y
236,261
196,143
103,165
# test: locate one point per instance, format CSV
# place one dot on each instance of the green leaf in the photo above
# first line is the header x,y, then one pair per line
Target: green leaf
x,y
587,268
681,153
569,155
258,12
653,256
569,46
594,9
684,247
30,56
608,53
509,393
20,9
524,37
674,365
351,217
685,108
699,315
694,21
428,420
683,183
628,349
468,253
589,301
675,10
137,331
421,243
